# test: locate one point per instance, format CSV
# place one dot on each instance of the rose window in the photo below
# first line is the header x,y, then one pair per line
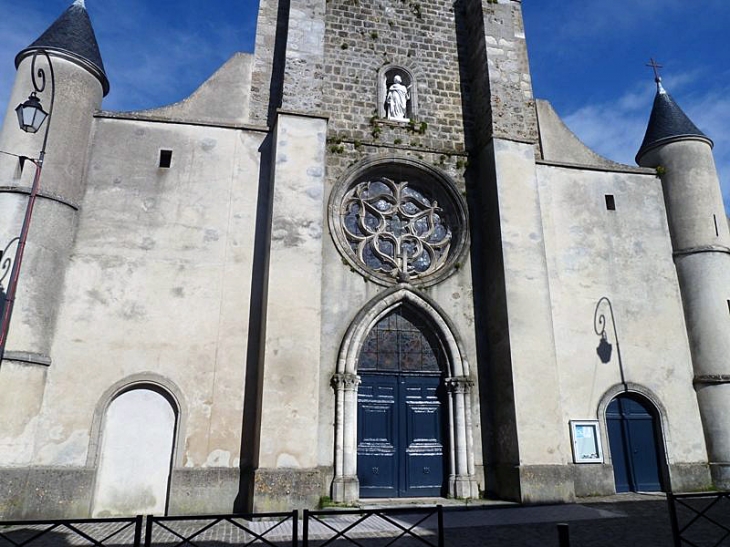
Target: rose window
x,y
396,229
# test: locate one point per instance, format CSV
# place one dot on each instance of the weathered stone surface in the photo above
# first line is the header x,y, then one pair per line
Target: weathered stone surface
x,y
45,492
286,489
217,282
593,480
211,490
546,484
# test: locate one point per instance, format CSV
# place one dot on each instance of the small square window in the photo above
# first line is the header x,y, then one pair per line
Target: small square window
x,y
165,159
610,202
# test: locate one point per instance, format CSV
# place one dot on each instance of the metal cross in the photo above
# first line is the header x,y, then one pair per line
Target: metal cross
x,y
656,66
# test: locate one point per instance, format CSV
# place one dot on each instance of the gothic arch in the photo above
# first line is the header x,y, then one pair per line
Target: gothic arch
x,y
663,440
462,481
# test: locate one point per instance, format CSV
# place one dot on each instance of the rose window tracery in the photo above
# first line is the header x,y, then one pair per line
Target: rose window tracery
x,y
395,229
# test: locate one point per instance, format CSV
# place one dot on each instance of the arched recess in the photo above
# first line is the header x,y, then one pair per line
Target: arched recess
x,y
460,457
137,427
635,426
386,76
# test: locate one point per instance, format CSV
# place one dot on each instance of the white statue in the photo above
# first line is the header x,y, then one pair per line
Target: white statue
x,y
395,102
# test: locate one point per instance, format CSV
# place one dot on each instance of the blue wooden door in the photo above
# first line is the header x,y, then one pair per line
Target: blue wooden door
x,y
400,429
378,436
633,435
422,451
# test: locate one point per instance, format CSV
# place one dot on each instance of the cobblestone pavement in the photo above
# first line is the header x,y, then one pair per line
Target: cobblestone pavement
x,y
625,520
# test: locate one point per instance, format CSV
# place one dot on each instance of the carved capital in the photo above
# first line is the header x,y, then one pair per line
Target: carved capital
x,y
345,381
459,384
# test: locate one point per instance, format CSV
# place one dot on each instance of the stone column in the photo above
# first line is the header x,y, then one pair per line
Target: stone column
x,y
461,481
346,486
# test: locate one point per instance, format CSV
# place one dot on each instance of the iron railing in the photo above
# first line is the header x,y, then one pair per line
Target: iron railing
x,y
105,532
271,529
423,526
700,520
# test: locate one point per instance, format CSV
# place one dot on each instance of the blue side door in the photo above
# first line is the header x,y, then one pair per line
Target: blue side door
x,y
400,432
633,433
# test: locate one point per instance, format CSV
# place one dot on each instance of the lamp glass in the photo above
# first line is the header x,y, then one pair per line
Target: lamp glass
x,y
31,114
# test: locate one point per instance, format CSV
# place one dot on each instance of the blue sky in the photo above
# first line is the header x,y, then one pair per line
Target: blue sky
x,y
587,57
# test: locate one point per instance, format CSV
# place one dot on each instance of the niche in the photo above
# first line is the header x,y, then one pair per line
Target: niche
x,y
397,97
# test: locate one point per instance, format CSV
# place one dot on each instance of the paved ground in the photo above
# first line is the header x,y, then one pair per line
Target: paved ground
x,y
625,520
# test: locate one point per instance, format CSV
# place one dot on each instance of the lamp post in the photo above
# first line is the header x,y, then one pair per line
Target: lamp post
x,y
30,118
604,346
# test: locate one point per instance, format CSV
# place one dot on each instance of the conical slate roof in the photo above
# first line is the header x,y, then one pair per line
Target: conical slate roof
x,y
72,36
667,123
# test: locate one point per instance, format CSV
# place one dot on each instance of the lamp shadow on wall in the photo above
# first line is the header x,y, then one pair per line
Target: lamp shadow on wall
x,y
605,349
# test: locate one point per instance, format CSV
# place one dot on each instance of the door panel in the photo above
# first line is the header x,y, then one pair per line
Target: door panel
x,y
423,456
644,453
377,438
619,452
400,451
635,445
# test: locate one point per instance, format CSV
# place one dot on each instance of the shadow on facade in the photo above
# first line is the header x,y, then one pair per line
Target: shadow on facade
x,y
490,313
250,437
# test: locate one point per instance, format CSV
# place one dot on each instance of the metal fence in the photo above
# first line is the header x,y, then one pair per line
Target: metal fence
x,y
700,520
60,533
403,527
270,529
375,527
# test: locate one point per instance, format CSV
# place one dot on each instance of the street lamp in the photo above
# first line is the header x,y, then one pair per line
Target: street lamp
x,y
31,114
30,118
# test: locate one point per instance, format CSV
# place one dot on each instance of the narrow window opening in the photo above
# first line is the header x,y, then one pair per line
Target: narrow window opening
x,y
165,159
717,231
728,306
610,202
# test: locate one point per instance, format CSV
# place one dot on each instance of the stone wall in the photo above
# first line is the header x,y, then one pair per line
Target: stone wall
x,y
420,36
503,103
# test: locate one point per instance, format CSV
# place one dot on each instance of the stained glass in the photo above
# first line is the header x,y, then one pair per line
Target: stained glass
x,y
401,342
396,229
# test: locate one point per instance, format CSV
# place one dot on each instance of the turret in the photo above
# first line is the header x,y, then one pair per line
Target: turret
x,y
682,155
80,83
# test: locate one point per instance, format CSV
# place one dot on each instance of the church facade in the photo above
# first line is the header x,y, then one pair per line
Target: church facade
x,y
361,262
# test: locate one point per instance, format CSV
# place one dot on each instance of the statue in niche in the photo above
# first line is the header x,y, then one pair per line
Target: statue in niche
x,y
397,99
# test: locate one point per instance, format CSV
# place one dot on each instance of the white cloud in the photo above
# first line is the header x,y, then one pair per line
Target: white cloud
x,y
615,129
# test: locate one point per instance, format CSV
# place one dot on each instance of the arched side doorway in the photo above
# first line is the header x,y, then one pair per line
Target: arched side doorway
x,y
401,404
430,409
635,440
135,459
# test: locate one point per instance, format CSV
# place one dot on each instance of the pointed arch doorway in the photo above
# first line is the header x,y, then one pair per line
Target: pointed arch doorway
x,y
429,402
400,409
635,440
